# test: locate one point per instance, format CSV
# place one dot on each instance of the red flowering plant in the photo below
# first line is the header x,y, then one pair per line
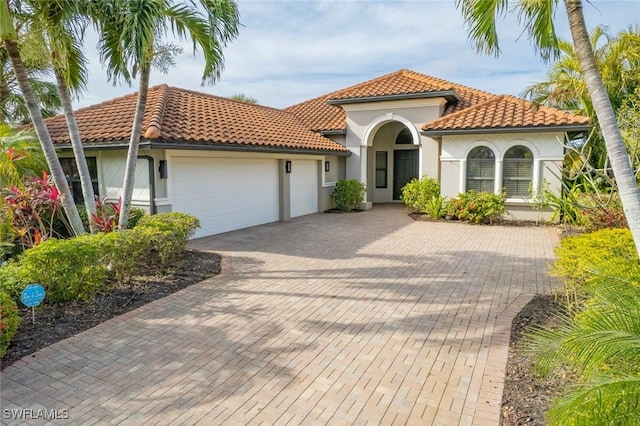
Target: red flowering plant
x,y
106,215
33,210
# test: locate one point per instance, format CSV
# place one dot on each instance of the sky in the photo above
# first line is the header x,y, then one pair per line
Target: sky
x,y
291,51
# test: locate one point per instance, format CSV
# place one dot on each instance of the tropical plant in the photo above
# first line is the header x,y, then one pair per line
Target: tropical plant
x,y
601,345
537,18
130,38
20,156
13,108
9,36
348,194
618,59
32,210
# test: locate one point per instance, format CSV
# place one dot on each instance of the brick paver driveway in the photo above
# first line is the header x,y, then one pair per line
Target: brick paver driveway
x,y
366,318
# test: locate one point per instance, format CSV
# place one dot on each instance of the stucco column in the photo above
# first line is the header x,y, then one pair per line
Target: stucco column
x,y
363,168
284,186
535,184
462,185
497,184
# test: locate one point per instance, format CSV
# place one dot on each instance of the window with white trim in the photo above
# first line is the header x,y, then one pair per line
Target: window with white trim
x,y
481,166
517,171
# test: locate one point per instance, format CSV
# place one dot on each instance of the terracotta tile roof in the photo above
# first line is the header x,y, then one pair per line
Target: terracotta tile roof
x,y
176,115
504,112
318,115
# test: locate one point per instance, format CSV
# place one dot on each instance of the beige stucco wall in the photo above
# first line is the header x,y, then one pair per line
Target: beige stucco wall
x,y
547,149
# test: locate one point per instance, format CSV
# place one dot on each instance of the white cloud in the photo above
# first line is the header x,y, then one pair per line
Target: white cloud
x,y
290,51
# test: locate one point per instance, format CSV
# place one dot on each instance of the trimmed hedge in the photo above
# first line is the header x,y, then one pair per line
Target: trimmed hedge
x,y
9,321
78,267
422,196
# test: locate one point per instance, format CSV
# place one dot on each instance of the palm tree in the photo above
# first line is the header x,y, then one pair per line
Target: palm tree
x,y
129,38
618,60
537,17
9,36
58,25
13,109
241,97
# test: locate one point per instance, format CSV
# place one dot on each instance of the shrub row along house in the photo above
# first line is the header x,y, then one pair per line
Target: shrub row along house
x,y
236,165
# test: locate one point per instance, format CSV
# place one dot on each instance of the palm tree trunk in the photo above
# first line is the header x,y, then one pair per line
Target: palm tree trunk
x,y
134,142
45,138
616,150
78,151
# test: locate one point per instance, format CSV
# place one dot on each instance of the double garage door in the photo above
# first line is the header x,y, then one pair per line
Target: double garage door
x,y
234,193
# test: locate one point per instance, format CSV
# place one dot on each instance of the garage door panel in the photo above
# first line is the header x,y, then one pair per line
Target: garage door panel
x,y
304,187
225,193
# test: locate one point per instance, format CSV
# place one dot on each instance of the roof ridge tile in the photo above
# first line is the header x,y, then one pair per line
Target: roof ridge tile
x,y
155,122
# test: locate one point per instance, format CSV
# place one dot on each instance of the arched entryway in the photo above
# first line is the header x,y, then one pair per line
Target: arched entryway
x,y
393,158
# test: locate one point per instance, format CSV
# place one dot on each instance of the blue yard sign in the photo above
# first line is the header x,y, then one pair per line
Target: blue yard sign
x,y
31,296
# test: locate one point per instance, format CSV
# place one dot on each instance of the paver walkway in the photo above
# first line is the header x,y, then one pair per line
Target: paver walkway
x,y
366,318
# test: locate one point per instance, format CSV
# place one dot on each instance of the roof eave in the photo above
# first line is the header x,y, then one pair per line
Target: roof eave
x,y
564,128
449,95
207,146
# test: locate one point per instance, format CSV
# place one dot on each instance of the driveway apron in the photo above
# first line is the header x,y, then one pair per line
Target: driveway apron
x,y
360,318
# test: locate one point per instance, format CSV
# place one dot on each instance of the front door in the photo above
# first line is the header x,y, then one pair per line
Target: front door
x,y
405,168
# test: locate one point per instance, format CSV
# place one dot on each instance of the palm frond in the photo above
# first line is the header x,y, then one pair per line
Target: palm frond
x,y
480,18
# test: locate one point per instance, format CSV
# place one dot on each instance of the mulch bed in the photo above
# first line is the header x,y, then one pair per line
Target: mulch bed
x,y
421,217
525,398
55,322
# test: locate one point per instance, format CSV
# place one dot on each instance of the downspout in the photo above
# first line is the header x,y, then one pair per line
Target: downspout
x,y
152,183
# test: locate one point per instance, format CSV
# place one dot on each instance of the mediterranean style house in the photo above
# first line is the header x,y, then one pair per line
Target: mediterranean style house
x,y
236,165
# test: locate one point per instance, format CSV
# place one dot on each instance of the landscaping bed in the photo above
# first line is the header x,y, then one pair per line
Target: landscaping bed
x,y
55,322
525,398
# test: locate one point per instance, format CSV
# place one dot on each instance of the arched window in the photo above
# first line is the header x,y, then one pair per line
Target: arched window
x,y
481,166
517,171
404,137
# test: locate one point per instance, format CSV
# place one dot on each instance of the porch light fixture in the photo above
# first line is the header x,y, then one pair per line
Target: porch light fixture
x,y
163,169
327,166
287,166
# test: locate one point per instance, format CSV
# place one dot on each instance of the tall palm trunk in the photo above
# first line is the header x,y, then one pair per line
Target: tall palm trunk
x,y
134,142
78,151
45,138
616,150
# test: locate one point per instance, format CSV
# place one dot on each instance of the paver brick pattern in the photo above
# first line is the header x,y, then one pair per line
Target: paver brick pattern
x,y
361,318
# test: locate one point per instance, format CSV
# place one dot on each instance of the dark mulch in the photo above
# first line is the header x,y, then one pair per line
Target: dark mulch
x,y
55,322
525,398
421,217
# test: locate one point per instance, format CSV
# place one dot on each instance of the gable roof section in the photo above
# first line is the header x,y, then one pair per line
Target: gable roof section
x,y
505,113
324,114
177,117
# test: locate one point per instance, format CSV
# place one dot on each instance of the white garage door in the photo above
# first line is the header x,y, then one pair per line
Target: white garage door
x,y
225,193
304,187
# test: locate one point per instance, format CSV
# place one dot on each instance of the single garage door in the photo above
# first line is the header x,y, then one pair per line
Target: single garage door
x,y
225,193
304,187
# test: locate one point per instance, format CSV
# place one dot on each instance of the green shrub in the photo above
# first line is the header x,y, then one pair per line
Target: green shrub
x,y
9,321
12,280
67,269
418,193
139,250
476,207
580,256
348,195
166,235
